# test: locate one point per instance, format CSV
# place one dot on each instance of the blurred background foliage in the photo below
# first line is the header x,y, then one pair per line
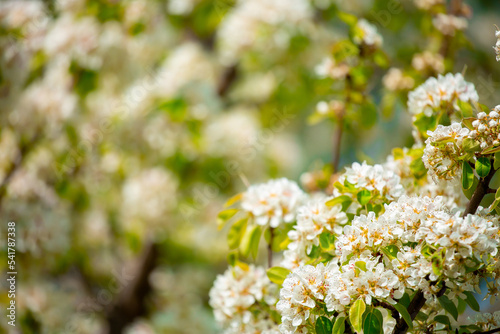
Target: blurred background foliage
x,y
125,126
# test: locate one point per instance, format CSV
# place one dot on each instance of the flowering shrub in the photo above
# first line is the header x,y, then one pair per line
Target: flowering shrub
x,y
395,247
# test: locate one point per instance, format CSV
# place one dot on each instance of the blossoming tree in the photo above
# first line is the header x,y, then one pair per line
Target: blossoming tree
x,y
396,247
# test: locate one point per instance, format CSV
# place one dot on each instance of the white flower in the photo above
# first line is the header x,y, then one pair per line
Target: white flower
x,y
373,178
235,298
443,150
427,4
395,80
300,293
486,128
448,24
369,34
428,61
274,202
328,68
433,92
313,219
497,45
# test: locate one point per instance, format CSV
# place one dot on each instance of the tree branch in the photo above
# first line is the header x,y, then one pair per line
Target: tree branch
x,y
496,330
270,248
130,303
227,80
415,306
478,195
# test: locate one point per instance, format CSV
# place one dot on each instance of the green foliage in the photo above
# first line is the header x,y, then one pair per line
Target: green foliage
x,y
356,314
236,232
339,326
483,166
373,322
449,306
323,325
277,274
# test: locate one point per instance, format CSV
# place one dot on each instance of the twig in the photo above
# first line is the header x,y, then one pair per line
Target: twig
x,y
414,308
496,330
270,248
227,80
394,312
131,303
478,195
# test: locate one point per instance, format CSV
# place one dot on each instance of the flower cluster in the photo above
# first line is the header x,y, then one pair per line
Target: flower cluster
x,y
395,80
497,45
313,218
237,298
384,183
487,321
436,91
448,24
274,202
368,34
328,68
487,128
302,292
428,62
443,151
309,289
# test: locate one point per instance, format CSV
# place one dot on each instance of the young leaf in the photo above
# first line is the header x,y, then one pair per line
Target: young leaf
x,y
471,301
449,306
277,274
236,233
234,199
443,319
324,240
467,175
250,241
496,162
373,322
490,150
364,197
344,200
483,166
404,313
339,326
224,216
323,326
356,314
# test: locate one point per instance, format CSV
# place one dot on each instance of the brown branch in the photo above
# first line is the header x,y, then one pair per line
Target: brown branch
x,y
414,308
23,151
394,312
337,144
131,302
478,195
270,248
496,330
228,78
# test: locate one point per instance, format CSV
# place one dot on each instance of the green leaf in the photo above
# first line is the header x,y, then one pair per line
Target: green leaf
x,y
391,251
324,240
323,326
350,19
471,301
250,241
483,166
364,197
496,162
405,300
234,199
356,314
468,122
344,200
224,216
339,326
462,305
404,313
490,150
232,258
277,274
373,323
471,145
467,175
449,306
361,265
443,319
236,233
